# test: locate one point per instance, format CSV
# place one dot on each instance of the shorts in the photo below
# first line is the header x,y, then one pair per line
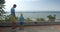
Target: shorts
x,y
21,23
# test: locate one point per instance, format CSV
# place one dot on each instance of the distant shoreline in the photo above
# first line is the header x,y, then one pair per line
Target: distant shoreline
x,y
37,12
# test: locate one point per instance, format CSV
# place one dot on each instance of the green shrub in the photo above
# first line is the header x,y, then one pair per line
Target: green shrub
x,y
40,19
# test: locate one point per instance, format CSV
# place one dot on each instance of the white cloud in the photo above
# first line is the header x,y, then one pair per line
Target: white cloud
x,y
31,0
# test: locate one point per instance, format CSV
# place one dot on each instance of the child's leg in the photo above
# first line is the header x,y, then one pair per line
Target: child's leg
x,y
21,25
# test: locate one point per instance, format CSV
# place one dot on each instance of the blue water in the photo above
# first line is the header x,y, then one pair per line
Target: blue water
x,y
40,14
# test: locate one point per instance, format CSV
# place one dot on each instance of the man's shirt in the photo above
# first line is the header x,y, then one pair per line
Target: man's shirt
x,y
13,11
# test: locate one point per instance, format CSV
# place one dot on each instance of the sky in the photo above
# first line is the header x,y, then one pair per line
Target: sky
x,y
33,5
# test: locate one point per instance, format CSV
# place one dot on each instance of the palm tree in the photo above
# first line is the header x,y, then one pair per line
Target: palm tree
x,y
2,7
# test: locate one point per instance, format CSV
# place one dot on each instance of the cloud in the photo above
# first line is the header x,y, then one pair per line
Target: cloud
x,y
31,0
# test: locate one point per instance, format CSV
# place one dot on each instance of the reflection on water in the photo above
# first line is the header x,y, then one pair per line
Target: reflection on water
x,y
33,29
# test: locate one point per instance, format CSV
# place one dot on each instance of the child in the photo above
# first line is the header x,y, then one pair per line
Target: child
x,y
21,21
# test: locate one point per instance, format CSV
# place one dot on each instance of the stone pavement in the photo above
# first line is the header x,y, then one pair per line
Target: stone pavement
x,y
33,29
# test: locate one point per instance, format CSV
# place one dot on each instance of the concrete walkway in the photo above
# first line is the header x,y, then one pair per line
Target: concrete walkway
x,y
55,28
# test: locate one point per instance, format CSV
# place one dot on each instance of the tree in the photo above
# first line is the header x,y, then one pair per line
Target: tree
x,y
2,7
51,18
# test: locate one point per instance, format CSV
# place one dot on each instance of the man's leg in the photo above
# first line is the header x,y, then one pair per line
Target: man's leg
x,y
14,27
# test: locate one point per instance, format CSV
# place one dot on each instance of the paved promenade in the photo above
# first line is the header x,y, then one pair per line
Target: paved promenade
x,y
54,28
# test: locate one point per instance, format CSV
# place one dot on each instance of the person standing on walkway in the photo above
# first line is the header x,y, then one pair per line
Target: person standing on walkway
x,y
21,21
13,17
13,13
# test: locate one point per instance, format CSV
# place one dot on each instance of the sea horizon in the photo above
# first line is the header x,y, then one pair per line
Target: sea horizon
x,y
36,11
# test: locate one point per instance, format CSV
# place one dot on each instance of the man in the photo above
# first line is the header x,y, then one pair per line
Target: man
x,y
13,10
13,13
13,16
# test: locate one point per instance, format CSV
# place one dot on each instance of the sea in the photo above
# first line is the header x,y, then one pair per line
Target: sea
x,y
37,14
